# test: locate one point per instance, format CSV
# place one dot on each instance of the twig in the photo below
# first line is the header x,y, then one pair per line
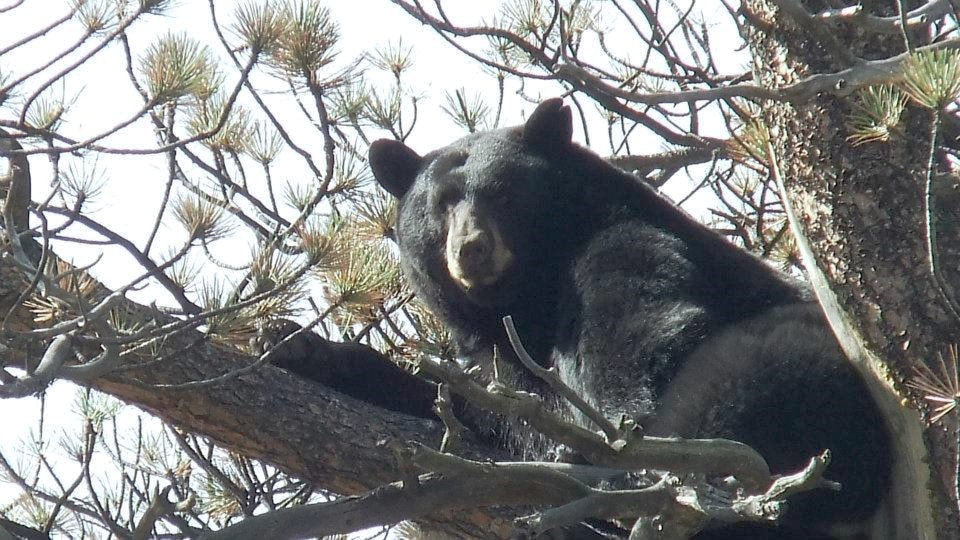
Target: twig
x,y
795,10
153,270
466,484
930,229
858,16
104,363
307,157
453,428
551,377
121,27
238,493
14,5
904,28
651,501
683,157
88,145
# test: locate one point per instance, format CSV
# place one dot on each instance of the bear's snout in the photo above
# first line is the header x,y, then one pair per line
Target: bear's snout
x,y
475,252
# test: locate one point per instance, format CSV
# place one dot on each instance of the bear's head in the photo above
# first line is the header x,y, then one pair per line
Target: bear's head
x,y
472,215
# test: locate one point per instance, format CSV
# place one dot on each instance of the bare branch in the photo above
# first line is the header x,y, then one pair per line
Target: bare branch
x,y
841,83
552,378
56,354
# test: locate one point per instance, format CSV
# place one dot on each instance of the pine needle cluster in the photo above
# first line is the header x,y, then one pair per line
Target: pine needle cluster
x,y
368,275
526,18
307,43
467,111
374,215
349,175
348,102
95,407
260,25
750,142
433,336
202,219
263,144
394,58
183,272
384,108
941,388
932,78
177,66
270,269
46,113
876,114
233,137
82,182
322,241
154,7
228,324
218,501
48,309
96,15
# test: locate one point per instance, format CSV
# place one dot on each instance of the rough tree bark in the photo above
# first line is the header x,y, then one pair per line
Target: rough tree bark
x,y
860,209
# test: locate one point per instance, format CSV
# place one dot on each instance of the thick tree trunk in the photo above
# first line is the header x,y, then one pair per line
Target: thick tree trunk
x,y
860,209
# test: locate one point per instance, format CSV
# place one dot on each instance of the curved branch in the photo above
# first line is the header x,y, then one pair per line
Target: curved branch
x,y
840,84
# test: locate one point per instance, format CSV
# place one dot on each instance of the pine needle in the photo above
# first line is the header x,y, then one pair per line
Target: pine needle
x,y
201,219
177,66
307,43
932,78
233,137
260,25
940,388
876,114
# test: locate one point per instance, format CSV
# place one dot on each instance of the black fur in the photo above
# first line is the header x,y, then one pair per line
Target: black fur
x,y
643,310
351,368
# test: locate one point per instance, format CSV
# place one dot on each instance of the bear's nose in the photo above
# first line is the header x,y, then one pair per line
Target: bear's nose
x,y
474,252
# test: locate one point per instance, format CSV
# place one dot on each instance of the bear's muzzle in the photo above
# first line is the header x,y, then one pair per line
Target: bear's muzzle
x,y
475,252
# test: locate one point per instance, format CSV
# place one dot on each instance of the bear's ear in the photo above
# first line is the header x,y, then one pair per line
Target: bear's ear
x,y
394,165
550,127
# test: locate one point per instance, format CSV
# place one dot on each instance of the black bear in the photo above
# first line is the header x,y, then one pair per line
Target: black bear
x,y
641,309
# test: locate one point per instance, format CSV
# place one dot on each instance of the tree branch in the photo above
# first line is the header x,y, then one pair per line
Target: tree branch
x,y
466,484
320,439
718,456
